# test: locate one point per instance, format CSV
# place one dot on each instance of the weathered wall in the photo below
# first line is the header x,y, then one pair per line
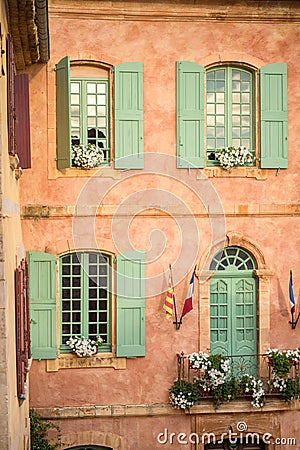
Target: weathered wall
x,y
14,423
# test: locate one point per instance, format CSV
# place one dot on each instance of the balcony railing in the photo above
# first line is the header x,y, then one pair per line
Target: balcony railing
x,y
242,376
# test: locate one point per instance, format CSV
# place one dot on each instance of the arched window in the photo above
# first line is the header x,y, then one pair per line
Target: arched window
x,y
85,297
229,109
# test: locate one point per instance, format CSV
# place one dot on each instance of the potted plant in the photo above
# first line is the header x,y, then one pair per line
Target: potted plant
x,y
84,347
87,156
229,157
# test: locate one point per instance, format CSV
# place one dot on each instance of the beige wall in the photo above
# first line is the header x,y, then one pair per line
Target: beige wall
x,y
14,423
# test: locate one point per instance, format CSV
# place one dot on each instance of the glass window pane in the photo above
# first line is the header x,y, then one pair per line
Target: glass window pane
x,y
220,132
210,86
236,120
91,99
91,110
220,74
235,132
245,97
101,99
220,109
220,143
75,99
220,120
220,97
101,88
101,110
245,76
236,109
245,132
91,121
236,97
211,120
236,74
75,88
210,97
236,87
210,109
220,86
245,109
210,131
91,88
246,87
245,120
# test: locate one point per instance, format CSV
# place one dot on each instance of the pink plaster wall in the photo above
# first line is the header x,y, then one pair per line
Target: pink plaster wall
x,y
159,44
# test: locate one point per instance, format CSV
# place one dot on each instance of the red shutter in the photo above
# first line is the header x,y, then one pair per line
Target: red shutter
x,y
22,327
22,124
10,94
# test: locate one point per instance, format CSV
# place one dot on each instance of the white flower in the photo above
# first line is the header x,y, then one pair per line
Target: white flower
x,y
87,156
84,347
234,156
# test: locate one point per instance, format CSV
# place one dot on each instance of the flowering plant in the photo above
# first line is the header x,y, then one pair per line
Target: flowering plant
x,y
229,157
84,347
281,360
183,394
254,386
87,156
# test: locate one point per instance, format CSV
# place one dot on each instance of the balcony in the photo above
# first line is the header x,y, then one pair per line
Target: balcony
x,y
217,379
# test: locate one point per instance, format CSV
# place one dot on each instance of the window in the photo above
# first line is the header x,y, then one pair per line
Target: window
x,y
85,297
229,109
85,113
87,305
90,113
216,107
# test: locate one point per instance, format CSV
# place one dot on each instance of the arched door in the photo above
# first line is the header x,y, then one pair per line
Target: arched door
x,y
233,303
90,447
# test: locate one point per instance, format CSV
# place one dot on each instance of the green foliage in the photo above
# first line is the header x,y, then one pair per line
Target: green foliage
x,y
39,432
184,394
291,390
281,363
226,391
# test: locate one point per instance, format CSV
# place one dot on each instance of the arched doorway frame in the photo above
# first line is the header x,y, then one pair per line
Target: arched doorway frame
x,y
83,438
263,273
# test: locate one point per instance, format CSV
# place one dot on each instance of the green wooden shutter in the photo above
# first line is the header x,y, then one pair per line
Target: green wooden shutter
x,y
42,304
274,131
129,146
190,114
63,116
131,304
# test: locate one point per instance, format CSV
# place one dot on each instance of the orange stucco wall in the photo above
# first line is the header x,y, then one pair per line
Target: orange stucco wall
x,y
265,210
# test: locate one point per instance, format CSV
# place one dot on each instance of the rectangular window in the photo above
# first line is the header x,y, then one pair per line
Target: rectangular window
x,y
85,297
229,110
90,113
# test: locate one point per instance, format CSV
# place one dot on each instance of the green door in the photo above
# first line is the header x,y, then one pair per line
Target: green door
x,y
233,308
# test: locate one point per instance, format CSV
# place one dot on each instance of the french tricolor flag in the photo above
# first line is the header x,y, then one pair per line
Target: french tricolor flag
x,y
188,304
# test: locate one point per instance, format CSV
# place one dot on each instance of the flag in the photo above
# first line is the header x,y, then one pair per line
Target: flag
x,y
188,304
292,299
169,302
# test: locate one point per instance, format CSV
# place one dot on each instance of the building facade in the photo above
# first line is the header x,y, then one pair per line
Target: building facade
x,y
20,33
161,87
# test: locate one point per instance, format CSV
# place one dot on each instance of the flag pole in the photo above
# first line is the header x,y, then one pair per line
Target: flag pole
x,y
174,300
292,302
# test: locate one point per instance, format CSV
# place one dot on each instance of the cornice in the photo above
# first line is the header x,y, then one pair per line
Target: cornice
x,y
175,11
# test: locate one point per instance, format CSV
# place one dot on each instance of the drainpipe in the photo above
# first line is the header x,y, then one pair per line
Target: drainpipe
x,y
41,7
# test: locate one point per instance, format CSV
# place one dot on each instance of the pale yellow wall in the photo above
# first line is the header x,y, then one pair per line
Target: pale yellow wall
x,y
14,423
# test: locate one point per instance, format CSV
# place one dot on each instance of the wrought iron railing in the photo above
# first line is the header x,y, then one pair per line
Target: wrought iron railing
x,y
258,365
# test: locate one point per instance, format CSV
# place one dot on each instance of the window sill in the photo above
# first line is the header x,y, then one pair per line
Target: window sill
x,y
74,172
235,172
71,361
